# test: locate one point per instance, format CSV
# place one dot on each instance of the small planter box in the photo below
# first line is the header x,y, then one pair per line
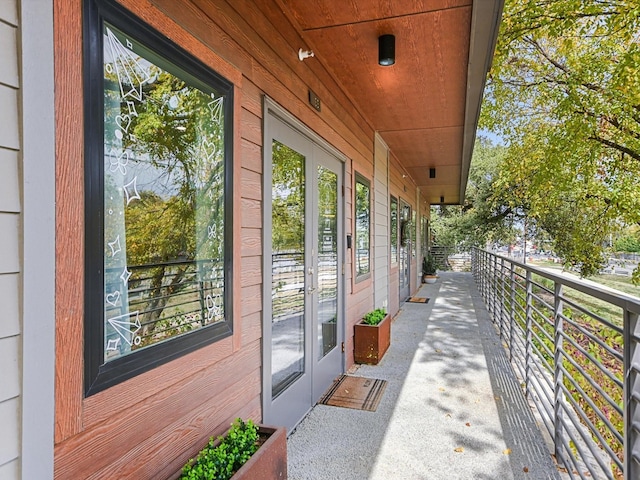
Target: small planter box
x,y
269,461
371,341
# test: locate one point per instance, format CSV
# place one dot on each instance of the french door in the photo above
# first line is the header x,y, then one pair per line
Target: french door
x,y
303,306
404,252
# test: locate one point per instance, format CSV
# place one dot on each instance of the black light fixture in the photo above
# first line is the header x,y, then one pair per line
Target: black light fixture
x,y
386,50
442,199
432,172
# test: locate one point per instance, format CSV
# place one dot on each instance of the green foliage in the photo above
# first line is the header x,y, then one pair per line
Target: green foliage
x,y
288,195
582,372
428,265
485,215
374,317
627,243
564,93
222,461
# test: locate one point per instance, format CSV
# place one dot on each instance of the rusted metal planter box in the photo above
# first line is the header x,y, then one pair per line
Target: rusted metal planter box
x,y
270,460
371,342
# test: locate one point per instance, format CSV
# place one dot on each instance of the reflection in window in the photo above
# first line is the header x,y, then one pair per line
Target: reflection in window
x,y
414,227
394,229
363,224
327,260
287,289
164,190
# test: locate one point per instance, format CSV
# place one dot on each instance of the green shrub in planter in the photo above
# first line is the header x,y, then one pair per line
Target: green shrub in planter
x,y
374,317
222,461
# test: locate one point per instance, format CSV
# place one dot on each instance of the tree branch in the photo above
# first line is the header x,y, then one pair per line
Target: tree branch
x,y
616,146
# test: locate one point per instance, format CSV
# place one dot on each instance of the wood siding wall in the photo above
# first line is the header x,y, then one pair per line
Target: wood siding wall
x,y
10,251
149,426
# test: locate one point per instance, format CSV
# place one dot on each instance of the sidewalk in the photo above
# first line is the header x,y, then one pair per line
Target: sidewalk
x,y
452,408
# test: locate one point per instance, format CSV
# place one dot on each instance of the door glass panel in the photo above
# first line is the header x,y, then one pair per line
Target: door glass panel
x,y
405,241
327,260
288,294
363,225
394,230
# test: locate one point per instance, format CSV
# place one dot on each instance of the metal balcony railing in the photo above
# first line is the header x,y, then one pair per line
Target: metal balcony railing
x,y
576,349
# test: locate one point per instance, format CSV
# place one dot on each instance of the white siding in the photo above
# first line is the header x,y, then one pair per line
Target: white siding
x,y
8,40
9,470
381,224
10,421
10,218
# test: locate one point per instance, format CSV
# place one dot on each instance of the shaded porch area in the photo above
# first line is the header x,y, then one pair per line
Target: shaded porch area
x,y
452,407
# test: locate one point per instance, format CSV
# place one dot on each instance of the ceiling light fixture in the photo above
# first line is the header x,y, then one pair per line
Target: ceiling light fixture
x,y
386,50
302,54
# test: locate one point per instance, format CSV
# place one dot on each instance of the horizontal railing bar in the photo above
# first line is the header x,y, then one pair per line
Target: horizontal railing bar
x,y
545,362
542,315
622,300
578,446
601,367
541,302
577,467
595,339
593,315
544,335
596,410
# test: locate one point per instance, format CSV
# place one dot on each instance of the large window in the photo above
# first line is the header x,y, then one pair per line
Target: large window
x,y
158,132
363,226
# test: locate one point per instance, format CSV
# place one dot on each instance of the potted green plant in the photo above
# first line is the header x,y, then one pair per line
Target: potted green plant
x,y
429,269
246,451
372,337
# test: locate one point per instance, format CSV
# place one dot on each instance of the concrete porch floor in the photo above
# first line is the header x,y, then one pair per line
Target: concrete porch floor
x,y
452,409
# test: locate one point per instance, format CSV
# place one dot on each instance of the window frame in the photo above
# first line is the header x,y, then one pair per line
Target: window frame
x,y
359,178
98,374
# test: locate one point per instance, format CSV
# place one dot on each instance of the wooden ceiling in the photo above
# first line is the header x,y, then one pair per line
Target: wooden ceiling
x,y
425,106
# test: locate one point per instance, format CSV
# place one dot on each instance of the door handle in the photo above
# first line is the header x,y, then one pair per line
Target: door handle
x,y
310,290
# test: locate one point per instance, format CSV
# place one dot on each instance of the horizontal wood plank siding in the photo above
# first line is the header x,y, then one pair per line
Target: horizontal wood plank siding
x,y
148,426
9,41
10,251
10,438
10,470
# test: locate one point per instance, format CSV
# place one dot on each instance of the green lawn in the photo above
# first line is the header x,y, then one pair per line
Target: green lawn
x,y
606,310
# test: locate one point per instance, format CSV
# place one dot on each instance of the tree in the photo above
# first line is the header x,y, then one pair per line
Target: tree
x,y
164,151
564,92
485,215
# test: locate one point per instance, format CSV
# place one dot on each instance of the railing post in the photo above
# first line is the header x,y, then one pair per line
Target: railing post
x,y
493,287
631,387
528,333
503,303
558,376
484,276
512,309
500,295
